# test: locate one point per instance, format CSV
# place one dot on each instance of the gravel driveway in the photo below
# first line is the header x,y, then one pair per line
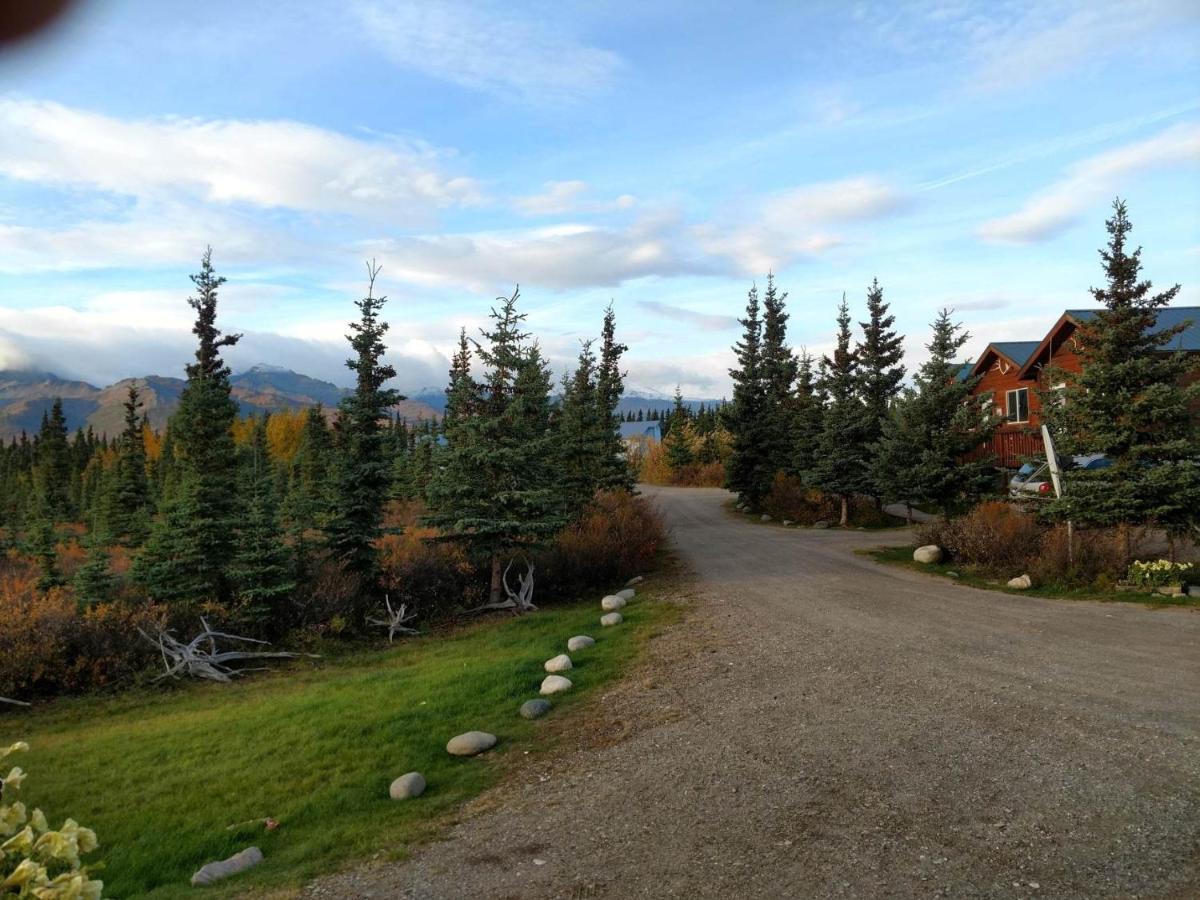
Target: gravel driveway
x,y
822,726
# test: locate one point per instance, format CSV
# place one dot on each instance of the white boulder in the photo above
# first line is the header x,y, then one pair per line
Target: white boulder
x,y
560,663
930,553
626,594
1021,582
612,618
555,684
580,642
406,786
239,862
470,743
612,603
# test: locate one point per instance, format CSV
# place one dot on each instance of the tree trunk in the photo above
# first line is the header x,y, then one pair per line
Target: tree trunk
x,y
1126,539
497,578
845,520
908,513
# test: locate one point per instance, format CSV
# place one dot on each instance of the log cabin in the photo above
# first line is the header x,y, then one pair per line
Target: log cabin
x,y
1011,372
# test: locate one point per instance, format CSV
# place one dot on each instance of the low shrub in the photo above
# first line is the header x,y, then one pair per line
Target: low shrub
x,y
790,499
653,468
996,537
433,578
1159,573
616,537
48,645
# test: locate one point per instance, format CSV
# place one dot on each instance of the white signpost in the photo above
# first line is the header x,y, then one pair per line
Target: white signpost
x,y
1056,480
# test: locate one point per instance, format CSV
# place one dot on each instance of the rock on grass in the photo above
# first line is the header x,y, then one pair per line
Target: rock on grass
x,y
580,642
471,743
534,709
555,684
406,786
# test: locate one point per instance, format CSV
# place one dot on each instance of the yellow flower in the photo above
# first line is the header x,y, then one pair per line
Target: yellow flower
x,y
14,778
38,821
21,842
18,747
26,873
70,886
60,845
12,817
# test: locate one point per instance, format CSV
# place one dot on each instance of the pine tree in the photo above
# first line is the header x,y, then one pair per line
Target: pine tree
x,y
128,502
746,473
581,440
94,580
53,475
880,366
494,490
808,419
188,555
923,456
1129,402
262,566
841,464
43,547
614,471
361,474
779,371
678,444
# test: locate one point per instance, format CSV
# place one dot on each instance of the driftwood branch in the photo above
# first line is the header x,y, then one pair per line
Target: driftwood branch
x,y
201,658
13,702
396,620
520,600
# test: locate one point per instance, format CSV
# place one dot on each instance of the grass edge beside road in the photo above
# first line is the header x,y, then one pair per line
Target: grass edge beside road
x,y
901,556
160,774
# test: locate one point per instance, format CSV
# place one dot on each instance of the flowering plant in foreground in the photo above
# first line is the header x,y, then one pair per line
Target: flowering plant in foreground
x,y
35,860
1159,573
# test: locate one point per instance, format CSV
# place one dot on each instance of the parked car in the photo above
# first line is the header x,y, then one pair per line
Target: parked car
x,y
1034,478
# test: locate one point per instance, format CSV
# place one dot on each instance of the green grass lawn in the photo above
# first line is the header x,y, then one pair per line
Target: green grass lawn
x,y
159,774
903,556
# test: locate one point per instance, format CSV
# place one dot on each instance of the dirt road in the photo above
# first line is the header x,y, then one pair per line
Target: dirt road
x,y
825,727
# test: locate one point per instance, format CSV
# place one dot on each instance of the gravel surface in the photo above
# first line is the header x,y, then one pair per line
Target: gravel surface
x,y
822,726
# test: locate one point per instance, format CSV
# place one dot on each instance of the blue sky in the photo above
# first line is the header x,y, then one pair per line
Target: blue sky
x,y
663,156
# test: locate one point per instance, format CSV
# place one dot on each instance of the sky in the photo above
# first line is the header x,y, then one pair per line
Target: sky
x,y
662,156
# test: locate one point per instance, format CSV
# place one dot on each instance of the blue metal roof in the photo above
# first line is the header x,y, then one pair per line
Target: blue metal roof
x,y
964,370
640,429
1189,339
1018,351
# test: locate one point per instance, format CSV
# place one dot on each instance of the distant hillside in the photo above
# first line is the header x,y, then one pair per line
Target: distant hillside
x,y
26,396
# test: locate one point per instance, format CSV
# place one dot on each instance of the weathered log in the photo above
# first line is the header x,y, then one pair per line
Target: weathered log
x,y
396,619
195,660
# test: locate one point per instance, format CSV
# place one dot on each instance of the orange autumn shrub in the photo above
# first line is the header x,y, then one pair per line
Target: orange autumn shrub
x,y
49,646
617,536
434,578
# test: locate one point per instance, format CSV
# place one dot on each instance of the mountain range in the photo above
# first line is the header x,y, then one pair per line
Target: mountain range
x,y
26,396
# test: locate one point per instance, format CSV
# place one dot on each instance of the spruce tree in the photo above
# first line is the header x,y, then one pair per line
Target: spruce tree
x,y
262,566
1129,402
745,471
779,370
494,490
808,419
128,502
923,456
187,558
678,443
53,474
880,366
361,476
581,423
94,580
841,464
614,470
43,547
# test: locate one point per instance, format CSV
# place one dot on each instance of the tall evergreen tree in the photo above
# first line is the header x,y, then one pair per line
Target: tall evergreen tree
x,y
53,475
494,490
614,470
43,547
361,476
262,566
678,444
94,579
746,473
779,370
128,503
841,464
581,425
1128,402
924,455
190,549
880,366
808,418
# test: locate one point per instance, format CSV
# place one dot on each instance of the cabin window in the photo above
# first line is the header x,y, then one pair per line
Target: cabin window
x,y
1018,405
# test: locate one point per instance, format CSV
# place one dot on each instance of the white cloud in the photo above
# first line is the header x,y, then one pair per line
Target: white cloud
x,y
562,197
487,47
1091,181
557,198
705,321
800,222
269,164
556,257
